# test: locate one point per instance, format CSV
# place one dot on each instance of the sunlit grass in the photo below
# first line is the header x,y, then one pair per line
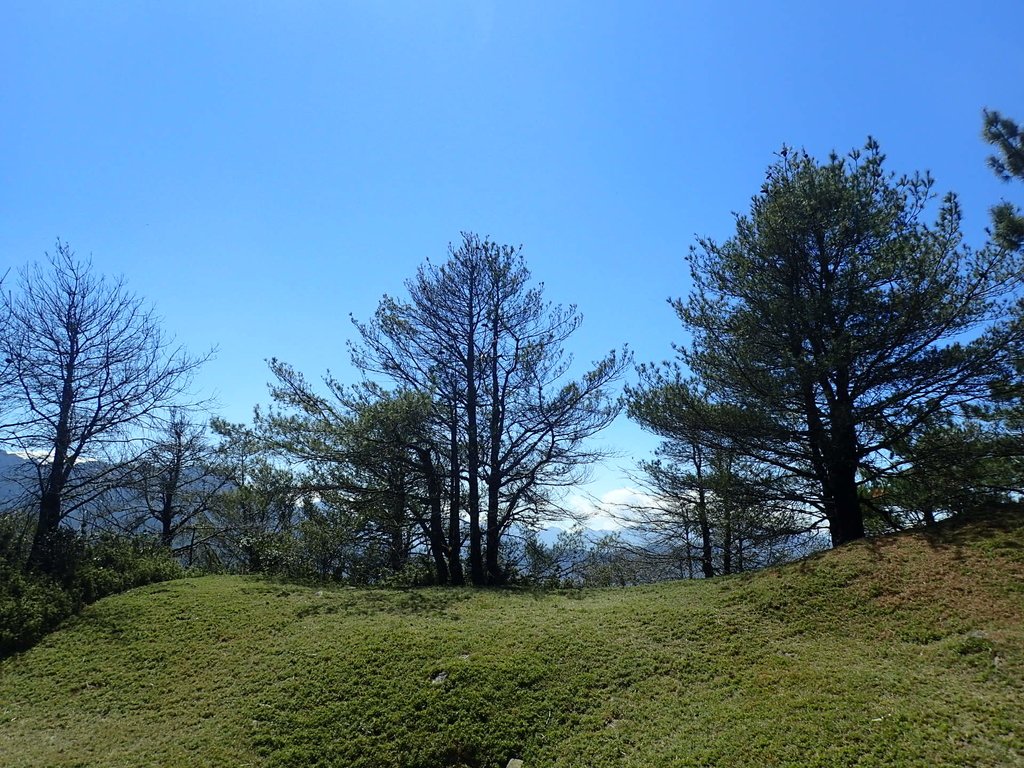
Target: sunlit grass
x,y
903,651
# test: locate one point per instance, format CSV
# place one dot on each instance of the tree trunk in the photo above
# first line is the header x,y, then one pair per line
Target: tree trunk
x,y
50,506
454,497
435,531
707,562
846,521
396,539
494,573
166,532
166,517
50,512
476,563
835,463
727,542
437,542
707,556
689,550
47,524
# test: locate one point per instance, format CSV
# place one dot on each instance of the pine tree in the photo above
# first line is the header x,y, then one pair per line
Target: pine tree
x,y
832,325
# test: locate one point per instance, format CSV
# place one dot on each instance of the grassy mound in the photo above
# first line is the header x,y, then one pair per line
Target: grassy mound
x,y
907,650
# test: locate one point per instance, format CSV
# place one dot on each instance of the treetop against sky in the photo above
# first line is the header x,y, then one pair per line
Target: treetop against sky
x,y
263,174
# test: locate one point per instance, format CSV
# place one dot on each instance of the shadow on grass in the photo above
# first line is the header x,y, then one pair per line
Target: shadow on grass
x,y
1000,529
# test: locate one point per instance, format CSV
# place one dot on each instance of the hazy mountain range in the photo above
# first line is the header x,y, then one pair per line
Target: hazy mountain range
x,y
14,472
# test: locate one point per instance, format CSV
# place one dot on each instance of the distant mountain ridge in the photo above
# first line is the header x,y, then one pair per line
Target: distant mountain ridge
x,y
15,470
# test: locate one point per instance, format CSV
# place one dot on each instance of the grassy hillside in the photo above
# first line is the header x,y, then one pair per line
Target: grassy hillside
x,y
906,651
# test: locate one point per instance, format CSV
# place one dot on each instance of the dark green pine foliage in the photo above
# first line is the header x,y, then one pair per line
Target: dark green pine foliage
x,y
717,510
1008,139
835,324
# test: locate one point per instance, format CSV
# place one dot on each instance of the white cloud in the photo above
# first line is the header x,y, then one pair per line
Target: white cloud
x,y
611,511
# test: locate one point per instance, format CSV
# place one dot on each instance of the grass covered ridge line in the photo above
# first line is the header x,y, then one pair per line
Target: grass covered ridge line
x,y
906,650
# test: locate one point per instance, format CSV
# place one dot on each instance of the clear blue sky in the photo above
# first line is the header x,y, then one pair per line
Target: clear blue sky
x,y
262,170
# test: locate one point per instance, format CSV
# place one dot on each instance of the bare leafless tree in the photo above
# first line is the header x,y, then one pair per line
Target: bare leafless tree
x,y
91,369
176,482
6,364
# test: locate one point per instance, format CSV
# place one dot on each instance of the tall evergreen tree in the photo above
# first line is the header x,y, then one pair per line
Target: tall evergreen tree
x,y
369,457
833,323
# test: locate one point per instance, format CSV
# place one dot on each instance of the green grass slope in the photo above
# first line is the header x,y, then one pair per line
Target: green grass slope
x,y
905,651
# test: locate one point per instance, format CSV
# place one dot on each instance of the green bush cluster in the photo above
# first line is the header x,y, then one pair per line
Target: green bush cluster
x,y
79,570
30,606
116,564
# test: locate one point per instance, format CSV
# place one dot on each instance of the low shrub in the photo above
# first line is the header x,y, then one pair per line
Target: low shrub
x,y
78,571
30,606
112,564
